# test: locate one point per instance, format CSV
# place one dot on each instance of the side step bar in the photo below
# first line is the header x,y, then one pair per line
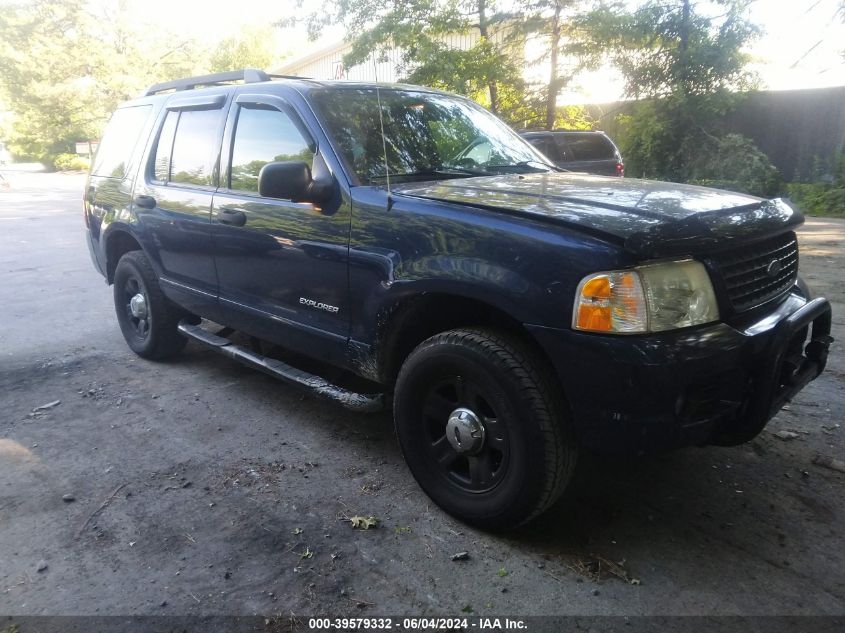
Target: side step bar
x,y
364,403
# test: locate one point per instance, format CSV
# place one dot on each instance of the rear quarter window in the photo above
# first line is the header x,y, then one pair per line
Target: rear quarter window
x,y
119,140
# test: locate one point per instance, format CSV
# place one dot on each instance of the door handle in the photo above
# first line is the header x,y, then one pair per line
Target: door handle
x,y
232,217
145,202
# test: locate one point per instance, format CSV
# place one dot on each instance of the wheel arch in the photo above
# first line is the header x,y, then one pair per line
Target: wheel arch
x,y
118,242
410,321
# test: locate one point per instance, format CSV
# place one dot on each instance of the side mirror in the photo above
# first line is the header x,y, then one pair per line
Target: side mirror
x,y
291,180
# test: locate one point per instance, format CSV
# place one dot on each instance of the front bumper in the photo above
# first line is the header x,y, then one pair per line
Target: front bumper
x,y
716,384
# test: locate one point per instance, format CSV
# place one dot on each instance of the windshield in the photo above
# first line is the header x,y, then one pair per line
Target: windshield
x,y
427,136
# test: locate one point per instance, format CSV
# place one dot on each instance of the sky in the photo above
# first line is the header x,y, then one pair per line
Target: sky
x,y
801,46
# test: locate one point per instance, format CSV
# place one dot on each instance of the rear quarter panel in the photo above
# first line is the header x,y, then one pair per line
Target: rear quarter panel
x,y
108,199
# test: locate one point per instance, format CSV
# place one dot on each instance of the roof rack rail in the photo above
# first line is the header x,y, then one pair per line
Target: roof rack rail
x,y
247,75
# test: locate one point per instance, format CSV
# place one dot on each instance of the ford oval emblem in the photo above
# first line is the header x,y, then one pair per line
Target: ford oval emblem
x,y
774,268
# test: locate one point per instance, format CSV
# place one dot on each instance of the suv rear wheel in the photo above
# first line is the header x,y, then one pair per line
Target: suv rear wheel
x,y
482,428
147,318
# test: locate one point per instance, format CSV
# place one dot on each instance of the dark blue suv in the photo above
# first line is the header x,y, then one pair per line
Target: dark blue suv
x,y
410,245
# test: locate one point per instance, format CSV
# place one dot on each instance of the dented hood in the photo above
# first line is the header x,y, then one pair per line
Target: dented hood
x,y
648,218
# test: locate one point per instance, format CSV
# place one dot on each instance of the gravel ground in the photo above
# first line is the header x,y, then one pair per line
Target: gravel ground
x,y
198,486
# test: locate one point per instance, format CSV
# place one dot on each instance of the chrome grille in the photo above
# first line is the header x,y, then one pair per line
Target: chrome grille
x,y
756,273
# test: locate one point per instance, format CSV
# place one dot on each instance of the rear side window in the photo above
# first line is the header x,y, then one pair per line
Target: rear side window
x,y
588,147
165,146
192,160
263,135
119,140
185,153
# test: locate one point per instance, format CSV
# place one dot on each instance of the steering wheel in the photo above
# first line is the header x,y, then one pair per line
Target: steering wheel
x,y
465,163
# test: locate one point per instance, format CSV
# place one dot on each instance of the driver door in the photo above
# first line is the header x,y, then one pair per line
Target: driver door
x,y
281,265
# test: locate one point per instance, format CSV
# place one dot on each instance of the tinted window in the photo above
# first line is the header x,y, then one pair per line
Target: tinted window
x,y
165,146
588,147
121,136
192,158
550,148
263,135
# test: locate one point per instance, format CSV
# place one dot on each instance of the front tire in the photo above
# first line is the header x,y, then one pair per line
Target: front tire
x,y
482,428
147,318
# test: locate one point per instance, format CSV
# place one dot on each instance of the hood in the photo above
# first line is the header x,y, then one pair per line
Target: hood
x,y
648,218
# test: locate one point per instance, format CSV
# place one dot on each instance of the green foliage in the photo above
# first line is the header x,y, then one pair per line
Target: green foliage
x,y
419,28
534,116
826,195
687,67
66,64
71,162
254,47
489,68
733,162
668,48
566,29
64,73
818,198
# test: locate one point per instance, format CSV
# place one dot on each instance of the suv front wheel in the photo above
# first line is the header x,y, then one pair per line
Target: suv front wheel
x,y
482,428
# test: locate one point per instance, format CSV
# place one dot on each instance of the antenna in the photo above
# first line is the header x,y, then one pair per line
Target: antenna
x,y
383,139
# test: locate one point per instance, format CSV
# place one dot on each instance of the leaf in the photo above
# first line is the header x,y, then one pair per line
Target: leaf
x,y
297,530
402,529
502,572
363,523
467,609
307,553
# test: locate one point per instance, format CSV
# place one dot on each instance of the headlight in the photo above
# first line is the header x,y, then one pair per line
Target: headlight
x,y
649,298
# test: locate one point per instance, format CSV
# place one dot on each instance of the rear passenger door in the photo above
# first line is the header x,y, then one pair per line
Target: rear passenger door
x,y
173,201
282,265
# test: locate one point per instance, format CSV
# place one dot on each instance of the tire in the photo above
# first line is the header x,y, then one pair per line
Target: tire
x,y
522,460
156,336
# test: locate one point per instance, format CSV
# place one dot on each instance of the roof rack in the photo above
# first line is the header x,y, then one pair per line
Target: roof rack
x,y
247,75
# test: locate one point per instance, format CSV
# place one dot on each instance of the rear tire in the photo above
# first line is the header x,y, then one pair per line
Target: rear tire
x,y
147,318
507,454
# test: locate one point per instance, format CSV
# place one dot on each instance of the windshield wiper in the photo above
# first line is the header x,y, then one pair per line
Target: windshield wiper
x,y
433,174
535,166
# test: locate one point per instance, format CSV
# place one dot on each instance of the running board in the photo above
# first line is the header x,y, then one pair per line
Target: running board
x,y
364,403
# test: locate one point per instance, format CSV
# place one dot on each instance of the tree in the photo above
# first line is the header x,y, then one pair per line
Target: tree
x,y
47,85
490,69
568,47
419,30
688,69
63,73
253,47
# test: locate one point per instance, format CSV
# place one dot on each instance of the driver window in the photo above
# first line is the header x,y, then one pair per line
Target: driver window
x,y
263,135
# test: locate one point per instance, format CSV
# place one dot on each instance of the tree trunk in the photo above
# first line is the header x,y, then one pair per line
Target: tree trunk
x,y
684,46
554,82
482,29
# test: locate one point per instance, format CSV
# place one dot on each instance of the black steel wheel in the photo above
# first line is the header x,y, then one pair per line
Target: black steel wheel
x,y
147,318
482,428
135,302
465,437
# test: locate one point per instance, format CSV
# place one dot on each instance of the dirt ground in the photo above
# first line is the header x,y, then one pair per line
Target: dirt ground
x,y
202,487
